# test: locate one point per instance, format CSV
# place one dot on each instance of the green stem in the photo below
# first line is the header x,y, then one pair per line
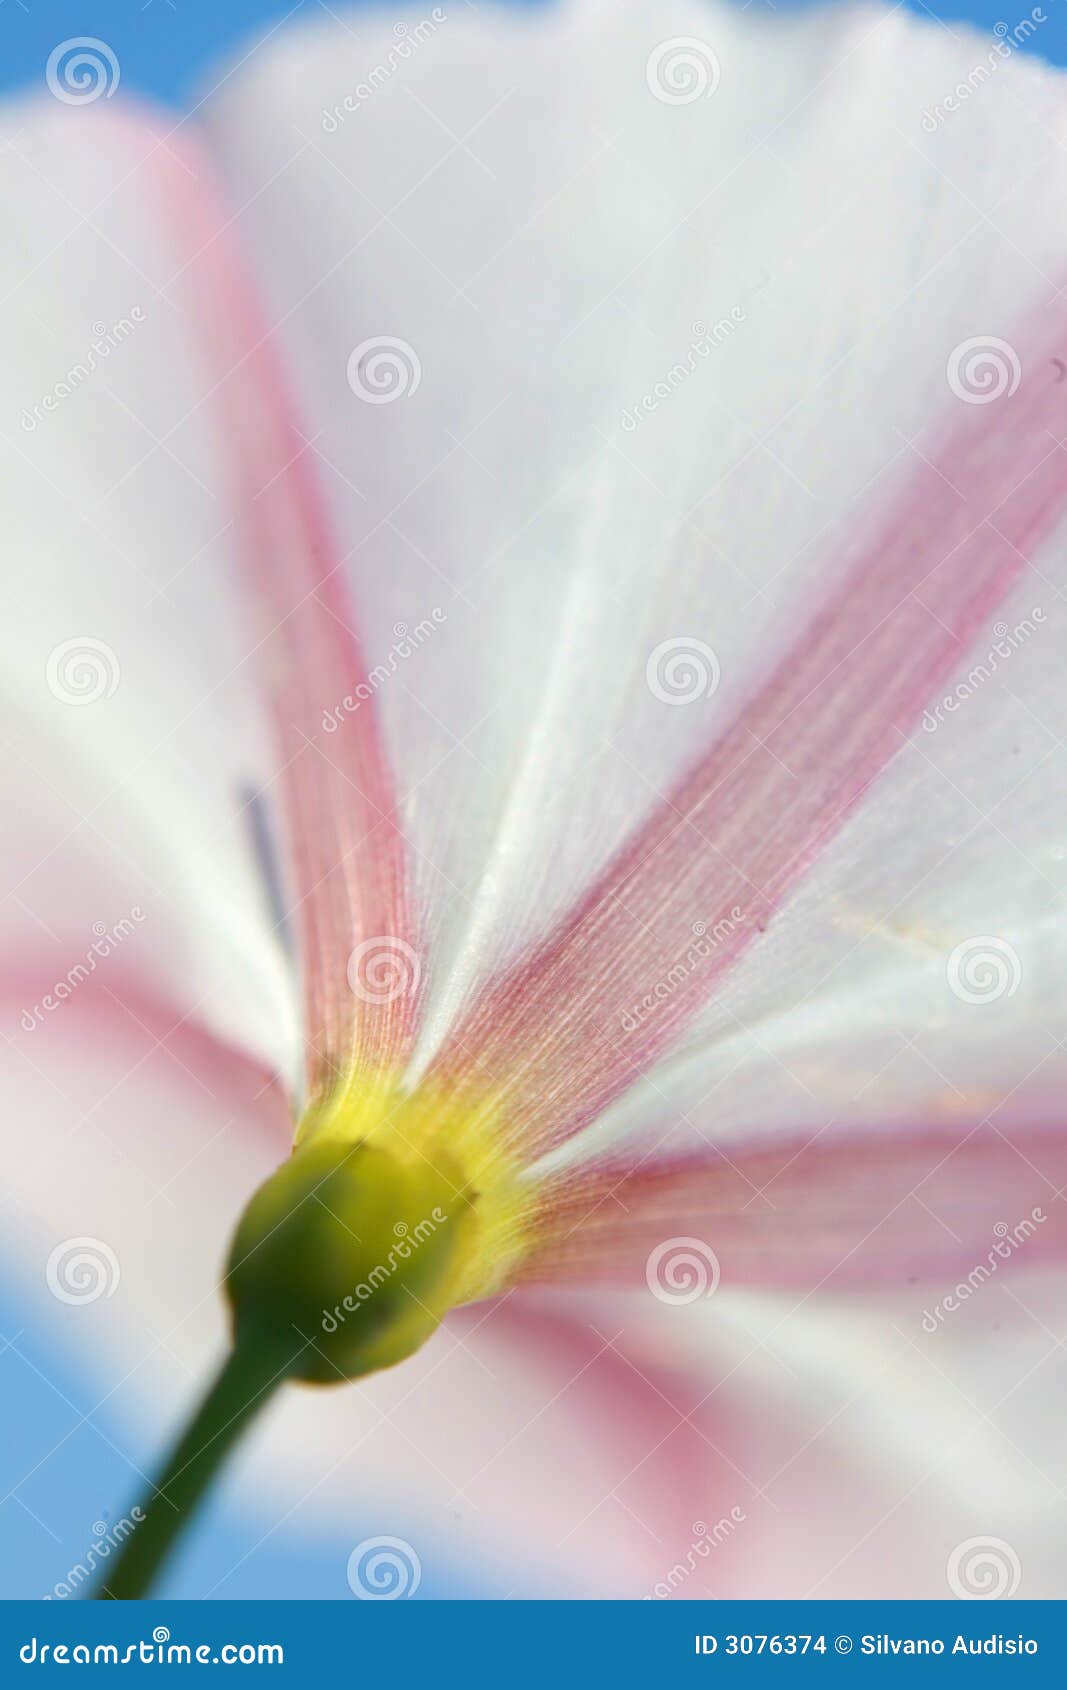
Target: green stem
x,y
256,1366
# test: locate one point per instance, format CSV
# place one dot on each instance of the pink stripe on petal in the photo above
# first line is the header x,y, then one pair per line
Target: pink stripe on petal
x,y
126,1013
910,1208
654,1472
346,852
719,854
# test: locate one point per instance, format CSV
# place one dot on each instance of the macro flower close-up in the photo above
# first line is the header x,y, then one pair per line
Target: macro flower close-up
x,y
536,845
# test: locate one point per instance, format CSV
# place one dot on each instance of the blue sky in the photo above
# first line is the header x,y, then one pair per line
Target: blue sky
x,y
165,47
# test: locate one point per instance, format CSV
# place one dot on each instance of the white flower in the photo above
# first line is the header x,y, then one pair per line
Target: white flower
x,y
797,1088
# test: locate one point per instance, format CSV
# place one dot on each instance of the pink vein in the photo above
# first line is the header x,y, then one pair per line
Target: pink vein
x,y
753,813
346,852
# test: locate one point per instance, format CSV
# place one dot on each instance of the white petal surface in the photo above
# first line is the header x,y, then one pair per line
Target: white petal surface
x,y
133,741
516,482
917,976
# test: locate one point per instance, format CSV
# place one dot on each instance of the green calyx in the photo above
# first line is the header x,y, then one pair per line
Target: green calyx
x,y
350,1255
344,1261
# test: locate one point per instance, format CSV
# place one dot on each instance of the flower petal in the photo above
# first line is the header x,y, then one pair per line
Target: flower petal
x,y
133,743
914,981
345,848
575,1445
835,1205
743,827
878,1450
526,302
147,1136
261,503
